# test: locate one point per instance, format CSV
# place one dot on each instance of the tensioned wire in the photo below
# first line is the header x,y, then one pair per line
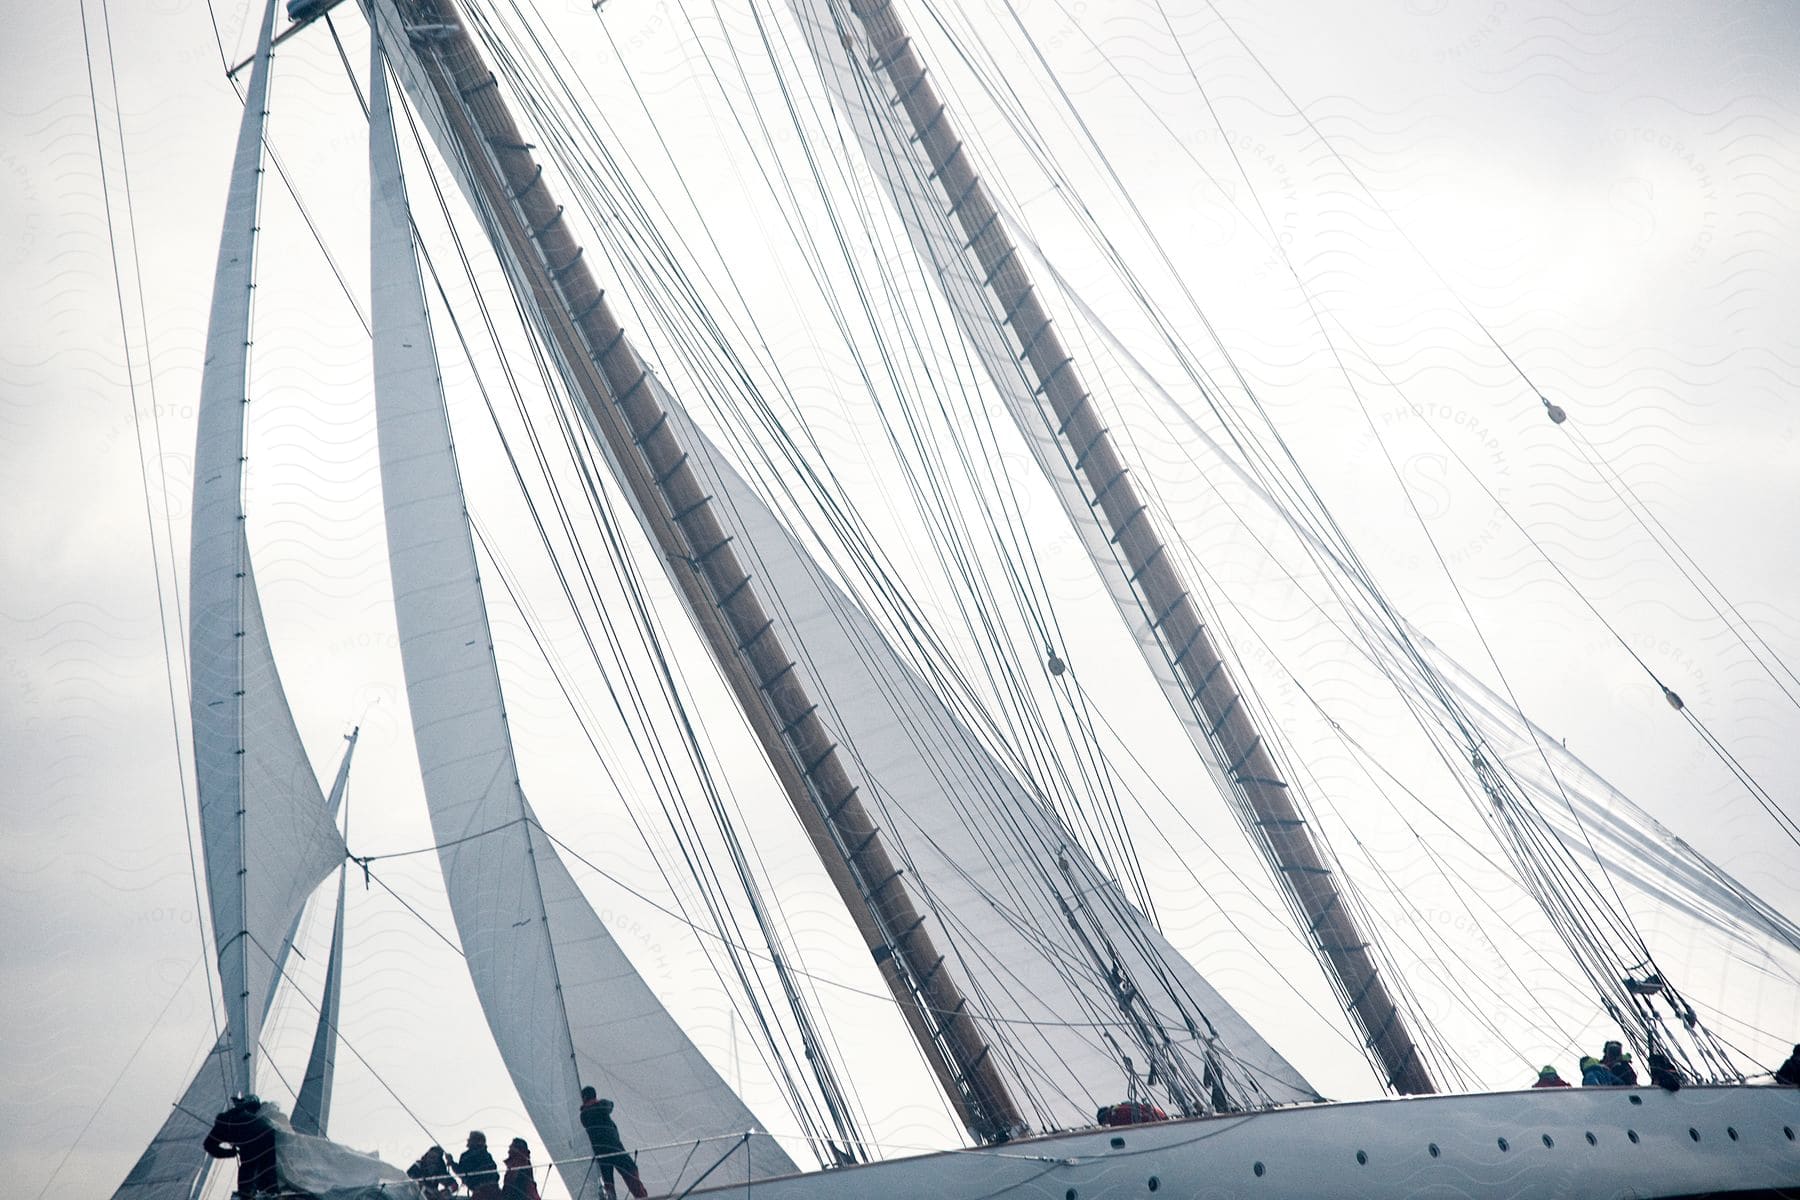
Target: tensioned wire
x,y
1242,817
1372,646
1281,250
1713,743
1018,547
1603,469
174,658
1250,393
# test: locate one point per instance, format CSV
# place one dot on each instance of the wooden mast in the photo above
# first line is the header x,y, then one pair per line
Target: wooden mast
x,y
1300,864
605,371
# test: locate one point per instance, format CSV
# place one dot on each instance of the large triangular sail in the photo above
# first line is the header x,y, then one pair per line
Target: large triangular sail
x,y
564,1003
267,838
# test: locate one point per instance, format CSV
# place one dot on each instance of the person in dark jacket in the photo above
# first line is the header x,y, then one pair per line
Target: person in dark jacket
x,y
432,1174
519,1183
1789,1071
243,1133
1548,1078
1614,1059
476,1166
1663,1073
609,1148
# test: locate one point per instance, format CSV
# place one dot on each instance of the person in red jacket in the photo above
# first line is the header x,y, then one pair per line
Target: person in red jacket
x,y
1547,1077
1130,1112
519,1183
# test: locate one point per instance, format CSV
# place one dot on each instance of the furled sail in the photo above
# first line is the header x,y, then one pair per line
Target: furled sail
x,y
995,863
267,837
173,1165
312,1107
565,1005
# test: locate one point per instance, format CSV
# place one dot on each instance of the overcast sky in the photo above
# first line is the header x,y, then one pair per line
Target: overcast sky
x,y
1612,187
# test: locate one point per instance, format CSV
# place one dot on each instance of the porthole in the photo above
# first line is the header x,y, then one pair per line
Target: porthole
x,y
1258,1168
1636,1099
1154,1183
1071,1194
1693,1133
1632,1134
1731,1132
1548,1143
1503,1146
1433,1149
1592,1140
1118,1143
1362,1157
1789,1130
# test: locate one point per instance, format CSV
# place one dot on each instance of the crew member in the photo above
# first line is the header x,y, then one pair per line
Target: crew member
x,y
243,1133
519,1183
609,1148
476,1166
432,1174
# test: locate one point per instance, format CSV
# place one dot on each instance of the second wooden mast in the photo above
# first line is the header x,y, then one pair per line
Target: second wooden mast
x,y
1301,865
610,378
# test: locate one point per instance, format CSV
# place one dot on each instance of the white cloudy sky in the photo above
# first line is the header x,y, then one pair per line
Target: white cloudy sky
x,y
1612,187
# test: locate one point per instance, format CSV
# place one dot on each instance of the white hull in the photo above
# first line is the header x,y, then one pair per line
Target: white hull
x,y
1573,1144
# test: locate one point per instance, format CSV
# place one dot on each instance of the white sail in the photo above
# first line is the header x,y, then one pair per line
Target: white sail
x,y
173,1165
312,1107
989,856
263,824
564,1003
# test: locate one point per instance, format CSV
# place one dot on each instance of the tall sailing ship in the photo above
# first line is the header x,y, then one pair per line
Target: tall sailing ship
x,y
949,722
